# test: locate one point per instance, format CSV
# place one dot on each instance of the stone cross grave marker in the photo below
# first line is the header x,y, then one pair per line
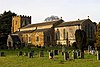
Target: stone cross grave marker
x,y
78,52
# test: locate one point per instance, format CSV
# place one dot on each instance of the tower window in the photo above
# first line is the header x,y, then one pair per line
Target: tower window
x,y
16,22
37,38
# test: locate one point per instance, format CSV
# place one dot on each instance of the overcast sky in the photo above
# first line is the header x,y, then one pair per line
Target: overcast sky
x,y
67,9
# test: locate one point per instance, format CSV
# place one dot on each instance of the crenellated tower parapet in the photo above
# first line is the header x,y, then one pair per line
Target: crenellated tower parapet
x,y
20,21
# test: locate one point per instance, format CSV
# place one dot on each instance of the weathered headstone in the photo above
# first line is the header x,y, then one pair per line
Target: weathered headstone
x,y
63,50
98,55
2,54
50,55
56,52
93,52
41,54
82,54
74,54
89,49
53,51
31,54
26,54
78,52
66,56
20,53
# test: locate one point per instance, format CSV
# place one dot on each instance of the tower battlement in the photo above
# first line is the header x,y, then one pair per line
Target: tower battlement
x,y
22,16
20,21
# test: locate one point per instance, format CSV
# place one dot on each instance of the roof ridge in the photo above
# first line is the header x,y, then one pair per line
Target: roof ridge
x,y
76,20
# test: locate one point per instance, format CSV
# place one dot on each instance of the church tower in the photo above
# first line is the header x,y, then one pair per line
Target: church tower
x,y
19,22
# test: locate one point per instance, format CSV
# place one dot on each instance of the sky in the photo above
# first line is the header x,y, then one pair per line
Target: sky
x,y
69,10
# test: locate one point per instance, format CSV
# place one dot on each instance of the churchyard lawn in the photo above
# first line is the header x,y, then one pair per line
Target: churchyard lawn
x,y
13,60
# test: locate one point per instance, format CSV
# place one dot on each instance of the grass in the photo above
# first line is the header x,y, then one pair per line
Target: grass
x,y
12,60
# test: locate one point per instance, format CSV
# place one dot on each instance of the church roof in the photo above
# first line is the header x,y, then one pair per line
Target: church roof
x,y
42,30
72,23
27,31
41,24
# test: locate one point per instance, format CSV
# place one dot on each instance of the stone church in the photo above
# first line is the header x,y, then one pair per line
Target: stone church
x,y
47,33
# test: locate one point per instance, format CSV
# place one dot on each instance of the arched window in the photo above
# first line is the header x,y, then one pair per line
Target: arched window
x,y
64,34
57,34
26,38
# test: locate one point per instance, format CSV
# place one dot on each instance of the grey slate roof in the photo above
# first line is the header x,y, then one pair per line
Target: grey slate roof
x,y
42,30
42,24
72,23
27,31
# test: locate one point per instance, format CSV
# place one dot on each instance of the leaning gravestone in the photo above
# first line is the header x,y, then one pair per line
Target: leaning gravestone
x,y
50,55
98,55
66,56
74,54
41,54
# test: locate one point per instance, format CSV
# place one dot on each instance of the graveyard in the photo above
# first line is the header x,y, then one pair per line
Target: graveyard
x,y
40,57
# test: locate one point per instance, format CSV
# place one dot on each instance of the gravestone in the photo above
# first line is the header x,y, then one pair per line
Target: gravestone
x,y
2,54
50,55
82,54
78,52
41,54
74,54
93,52
26,54
53,51
31,54
56,52
63,50
20,53
66,56
89,49
98,55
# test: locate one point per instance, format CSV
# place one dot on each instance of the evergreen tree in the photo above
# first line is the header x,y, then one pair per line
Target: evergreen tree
x,y
80,37
5,26
6,22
